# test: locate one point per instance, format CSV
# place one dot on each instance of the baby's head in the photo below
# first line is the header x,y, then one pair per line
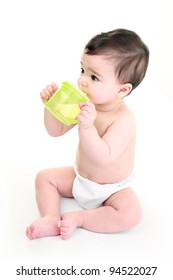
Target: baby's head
x,y
126,49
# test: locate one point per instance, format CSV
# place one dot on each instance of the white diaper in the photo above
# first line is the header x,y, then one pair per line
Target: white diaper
x,y
91,195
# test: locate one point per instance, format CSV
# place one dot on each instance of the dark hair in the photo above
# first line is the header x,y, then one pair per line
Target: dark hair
x,y
130,53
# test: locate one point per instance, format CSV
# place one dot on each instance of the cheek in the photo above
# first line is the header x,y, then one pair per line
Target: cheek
x,y
99,96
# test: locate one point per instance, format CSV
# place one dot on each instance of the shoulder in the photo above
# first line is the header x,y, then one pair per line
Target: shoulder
x,y
127,116
124,122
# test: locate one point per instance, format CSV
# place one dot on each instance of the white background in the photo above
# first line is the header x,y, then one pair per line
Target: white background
x,y
41,42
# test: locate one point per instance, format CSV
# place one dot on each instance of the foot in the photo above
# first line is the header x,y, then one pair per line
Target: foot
x,y
45,226
70,221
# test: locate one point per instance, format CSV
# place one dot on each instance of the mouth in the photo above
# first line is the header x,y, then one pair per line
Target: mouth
x,y
84,91
86,95
80,87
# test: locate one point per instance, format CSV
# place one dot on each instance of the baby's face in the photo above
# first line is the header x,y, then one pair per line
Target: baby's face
x,y
98,79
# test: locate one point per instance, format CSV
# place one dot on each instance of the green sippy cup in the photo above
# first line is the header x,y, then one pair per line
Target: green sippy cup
x,y
64,104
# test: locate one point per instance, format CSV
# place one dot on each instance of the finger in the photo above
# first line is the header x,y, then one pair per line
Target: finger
x,y
86,104
83,104
83,116
87,109
54,86
44,96
48,92
49,88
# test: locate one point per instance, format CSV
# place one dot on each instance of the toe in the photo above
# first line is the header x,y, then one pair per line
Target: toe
x,y
64,236
29,233
62,224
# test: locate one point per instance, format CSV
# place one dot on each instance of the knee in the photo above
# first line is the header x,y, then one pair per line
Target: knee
x,y
41,178
131,217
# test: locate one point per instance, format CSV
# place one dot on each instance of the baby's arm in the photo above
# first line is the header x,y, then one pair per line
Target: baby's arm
x,y
53,126
106,149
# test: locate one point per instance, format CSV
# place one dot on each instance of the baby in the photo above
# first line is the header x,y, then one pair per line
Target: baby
x,y
112,65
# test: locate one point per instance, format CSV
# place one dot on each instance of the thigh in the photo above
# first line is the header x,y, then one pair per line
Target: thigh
x,y
62,178
123,200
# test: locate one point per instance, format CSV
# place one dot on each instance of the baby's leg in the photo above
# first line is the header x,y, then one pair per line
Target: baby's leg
x,y
50,184
120,212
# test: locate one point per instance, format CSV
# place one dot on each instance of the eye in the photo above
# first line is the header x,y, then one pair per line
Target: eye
x,y
94,78
82,70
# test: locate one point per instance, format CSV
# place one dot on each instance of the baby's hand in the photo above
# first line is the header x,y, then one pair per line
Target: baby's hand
x,y
48,91
87,115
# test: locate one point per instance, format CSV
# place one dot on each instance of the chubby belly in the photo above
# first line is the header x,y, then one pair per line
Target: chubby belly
x,y
112,173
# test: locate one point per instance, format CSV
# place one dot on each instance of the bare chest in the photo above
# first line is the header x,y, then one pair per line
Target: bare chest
x,y
103,122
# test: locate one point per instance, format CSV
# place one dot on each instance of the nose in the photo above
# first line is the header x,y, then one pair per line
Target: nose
x,y
82,82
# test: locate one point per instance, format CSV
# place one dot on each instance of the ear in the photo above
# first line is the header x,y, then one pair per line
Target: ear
x,y
125,89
